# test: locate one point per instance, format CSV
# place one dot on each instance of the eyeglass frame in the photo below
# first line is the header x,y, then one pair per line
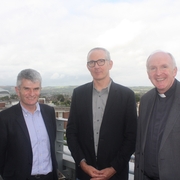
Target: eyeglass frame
x,y
96,62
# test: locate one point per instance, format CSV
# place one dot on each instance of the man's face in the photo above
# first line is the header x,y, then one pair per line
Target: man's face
x,y
99,72
161,71
28,93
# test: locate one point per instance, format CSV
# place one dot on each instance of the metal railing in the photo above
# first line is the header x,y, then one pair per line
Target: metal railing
x,y
65,161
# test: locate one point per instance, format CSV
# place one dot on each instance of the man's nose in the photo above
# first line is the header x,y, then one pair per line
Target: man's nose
x,y
31,92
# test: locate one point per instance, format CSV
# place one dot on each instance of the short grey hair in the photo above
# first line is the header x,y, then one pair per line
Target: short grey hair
x,y
107,53
171,56
29,74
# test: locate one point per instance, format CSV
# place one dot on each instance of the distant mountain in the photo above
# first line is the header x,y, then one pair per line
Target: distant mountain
x,y
49,90
141,89
65,90
68,90
9,88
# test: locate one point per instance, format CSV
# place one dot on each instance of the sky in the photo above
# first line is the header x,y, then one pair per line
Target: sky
x,y
54,37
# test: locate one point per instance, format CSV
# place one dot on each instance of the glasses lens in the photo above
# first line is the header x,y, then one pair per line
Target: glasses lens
x,y
90,63
100,62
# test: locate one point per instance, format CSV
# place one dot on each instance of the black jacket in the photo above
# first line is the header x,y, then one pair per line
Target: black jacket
x,y
15,145
117,133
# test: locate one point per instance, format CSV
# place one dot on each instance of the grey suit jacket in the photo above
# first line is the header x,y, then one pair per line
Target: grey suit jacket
x,y
169,152
15,145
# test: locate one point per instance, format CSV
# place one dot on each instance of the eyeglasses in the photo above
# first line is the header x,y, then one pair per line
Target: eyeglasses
x,y
92,63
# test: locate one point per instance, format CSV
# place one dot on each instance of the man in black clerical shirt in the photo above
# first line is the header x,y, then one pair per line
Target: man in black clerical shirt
x,y
157,154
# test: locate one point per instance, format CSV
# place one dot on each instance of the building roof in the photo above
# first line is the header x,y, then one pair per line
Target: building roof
x,y
4,92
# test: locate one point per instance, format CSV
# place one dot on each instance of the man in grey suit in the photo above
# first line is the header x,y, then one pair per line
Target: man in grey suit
x,y
28,133
101,130
157,154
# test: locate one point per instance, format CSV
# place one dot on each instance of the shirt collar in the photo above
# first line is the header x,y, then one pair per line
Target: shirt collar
x,y
108,87
26,111
170,91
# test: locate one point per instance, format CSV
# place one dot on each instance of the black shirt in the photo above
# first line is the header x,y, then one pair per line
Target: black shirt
x,y
155,131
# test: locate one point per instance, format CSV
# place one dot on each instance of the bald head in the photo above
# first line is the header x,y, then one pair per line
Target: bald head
x,y
161,54
106,52
161,69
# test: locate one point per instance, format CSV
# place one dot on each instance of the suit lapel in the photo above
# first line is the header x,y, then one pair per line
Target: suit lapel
x,y
47,122
88,102
173,116
111,98
20,120
146,112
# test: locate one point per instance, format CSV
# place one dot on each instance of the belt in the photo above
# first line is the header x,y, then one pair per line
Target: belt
x,y
40,176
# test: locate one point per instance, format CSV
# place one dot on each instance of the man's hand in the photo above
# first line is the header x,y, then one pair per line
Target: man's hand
x,y
95,174
91,171
106,174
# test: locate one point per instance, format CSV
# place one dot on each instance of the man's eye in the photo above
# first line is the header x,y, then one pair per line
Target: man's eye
x,y
152,68
164,67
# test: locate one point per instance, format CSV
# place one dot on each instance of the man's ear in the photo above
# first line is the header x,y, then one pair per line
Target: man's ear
x,y
175,71
110,64
17,90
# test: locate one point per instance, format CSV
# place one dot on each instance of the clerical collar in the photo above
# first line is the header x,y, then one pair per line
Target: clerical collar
x,y
170,91
162,95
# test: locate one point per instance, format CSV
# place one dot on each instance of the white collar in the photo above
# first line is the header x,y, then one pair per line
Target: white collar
x,y
162,95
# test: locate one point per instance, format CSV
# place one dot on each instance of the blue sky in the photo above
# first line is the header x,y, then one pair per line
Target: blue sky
x,y
55,36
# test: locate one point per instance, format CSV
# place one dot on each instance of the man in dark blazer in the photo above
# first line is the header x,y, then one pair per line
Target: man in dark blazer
x,y
27,134
101,128
157,154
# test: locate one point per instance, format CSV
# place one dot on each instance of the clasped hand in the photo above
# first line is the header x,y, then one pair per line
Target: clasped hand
x,y
95,174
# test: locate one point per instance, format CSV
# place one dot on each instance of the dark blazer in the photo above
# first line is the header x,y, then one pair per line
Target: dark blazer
x,y
169,152
117,133
15,145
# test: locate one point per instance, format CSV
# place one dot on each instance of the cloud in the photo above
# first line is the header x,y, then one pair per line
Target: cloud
x,y
122,34
55,36
55,76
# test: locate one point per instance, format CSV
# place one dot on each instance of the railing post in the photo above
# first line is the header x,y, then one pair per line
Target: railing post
x,y
60,143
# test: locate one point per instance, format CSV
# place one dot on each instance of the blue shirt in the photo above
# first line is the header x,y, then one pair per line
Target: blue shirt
x,y
42,163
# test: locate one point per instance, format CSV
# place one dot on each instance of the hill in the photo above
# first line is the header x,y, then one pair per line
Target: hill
x,y
68,90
